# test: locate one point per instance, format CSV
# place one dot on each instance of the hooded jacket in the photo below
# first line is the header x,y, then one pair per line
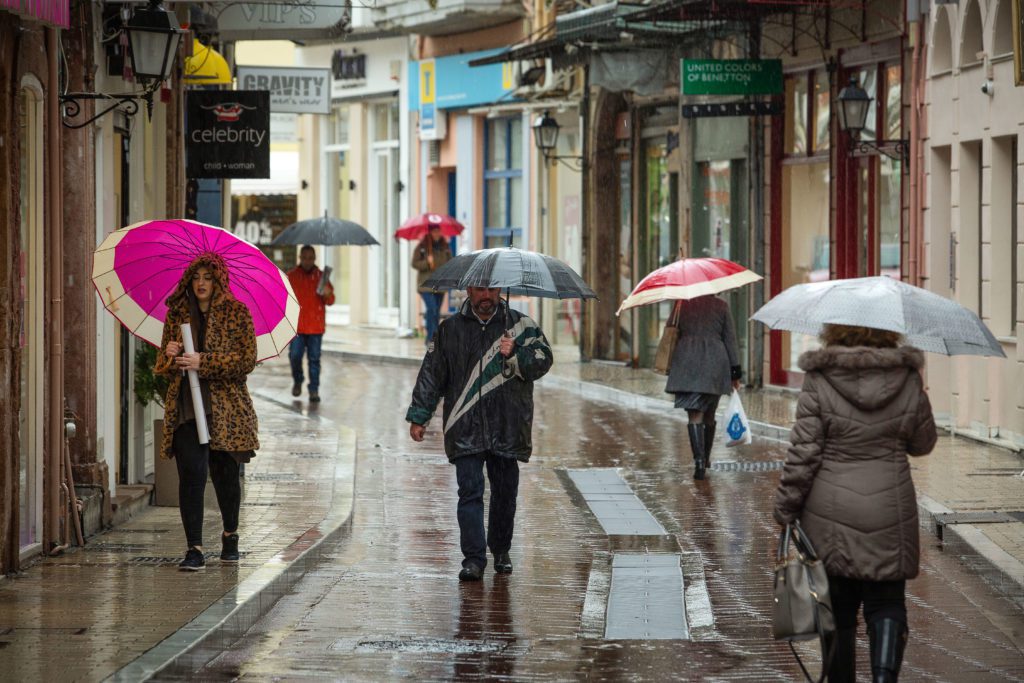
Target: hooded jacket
x,y
441,253
484,411
847,479
225,362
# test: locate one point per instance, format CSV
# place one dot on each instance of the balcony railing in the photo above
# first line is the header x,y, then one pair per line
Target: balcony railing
x,y
441,17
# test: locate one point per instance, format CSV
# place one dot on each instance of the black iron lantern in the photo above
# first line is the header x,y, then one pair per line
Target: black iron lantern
x,y
545,132
154,34
854,103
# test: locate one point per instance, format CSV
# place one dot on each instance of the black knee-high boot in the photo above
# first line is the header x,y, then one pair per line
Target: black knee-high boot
x,y
696,432
888,639
709,440
843,668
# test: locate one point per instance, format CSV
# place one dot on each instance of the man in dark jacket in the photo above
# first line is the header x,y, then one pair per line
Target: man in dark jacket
x,y
483,363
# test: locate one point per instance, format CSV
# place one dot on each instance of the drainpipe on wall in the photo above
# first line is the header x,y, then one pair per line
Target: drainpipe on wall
x,y
53,462
919,133
916,214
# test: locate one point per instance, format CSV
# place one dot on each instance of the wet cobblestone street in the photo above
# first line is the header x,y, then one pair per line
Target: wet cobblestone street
x,y
386,603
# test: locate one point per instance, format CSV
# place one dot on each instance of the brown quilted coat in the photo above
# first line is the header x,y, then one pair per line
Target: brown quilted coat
x,y
229,357
847,479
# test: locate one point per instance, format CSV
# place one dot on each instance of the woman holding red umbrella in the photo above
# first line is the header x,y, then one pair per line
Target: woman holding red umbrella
x,y
705,363
431,253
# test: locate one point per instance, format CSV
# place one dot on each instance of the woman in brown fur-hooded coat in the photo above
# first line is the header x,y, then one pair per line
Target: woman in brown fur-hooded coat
x,y
228,356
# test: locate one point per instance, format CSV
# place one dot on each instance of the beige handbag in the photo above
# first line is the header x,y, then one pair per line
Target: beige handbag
x,y
663,356
802,608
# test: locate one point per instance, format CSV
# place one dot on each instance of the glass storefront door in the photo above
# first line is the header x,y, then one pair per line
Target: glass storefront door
x,y
720,217
659,242
386,267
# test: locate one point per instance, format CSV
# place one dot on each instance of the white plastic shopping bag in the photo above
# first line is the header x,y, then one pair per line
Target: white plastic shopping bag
x,y
736,424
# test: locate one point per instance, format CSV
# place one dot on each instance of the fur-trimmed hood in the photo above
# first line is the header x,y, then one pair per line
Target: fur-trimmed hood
x,y
868,377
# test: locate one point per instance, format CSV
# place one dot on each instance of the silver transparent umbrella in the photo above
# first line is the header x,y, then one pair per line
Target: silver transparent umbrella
x,y
327,231
926,320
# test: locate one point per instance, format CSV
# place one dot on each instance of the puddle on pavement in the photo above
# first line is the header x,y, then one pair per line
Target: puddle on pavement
x,y
420,645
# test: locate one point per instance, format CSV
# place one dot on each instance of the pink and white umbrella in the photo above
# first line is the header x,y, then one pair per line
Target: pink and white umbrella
x,y
688,278
136,268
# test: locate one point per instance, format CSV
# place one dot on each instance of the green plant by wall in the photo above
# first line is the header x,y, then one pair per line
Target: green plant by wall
x,y
149,386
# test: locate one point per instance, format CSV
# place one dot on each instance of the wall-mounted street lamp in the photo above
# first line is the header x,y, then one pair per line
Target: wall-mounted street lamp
x,y
545,135
854,104
153,37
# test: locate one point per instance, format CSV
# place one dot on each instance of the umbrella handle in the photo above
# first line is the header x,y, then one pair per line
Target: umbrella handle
x,y
506,368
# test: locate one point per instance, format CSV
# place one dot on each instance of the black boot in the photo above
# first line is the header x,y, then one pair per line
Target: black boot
x,y
696,432
888,638
843,668
709,440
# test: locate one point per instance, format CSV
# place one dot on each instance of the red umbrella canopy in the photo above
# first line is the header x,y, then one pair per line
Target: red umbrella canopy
x,y
689,278
417,228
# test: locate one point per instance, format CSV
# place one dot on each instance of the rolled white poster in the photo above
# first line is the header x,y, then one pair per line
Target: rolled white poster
x,y
193,383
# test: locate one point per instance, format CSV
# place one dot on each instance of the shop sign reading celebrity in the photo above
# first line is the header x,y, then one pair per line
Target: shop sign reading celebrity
x,y
228,134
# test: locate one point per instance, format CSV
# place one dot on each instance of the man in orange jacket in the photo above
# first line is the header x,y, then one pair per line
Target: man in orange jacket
x,y
305,279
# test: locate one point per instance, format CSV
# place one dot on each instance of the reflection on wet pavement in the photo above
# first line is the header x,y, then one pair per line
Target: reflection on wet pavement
x,y
387,604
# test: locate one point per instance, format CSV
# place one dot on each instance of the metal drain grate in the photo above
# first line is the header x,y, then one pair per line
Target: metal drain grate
x,y
646,598
150,561
756,466
986,517
616,507
272,476
115,548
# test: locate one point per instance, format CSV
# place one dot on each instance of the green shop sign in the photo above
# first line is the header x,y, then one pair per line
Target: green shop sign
x,y
732,76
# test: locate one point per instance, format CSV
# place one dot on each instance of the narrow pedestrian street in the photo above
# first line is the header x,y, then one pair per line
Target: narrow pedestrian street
x,y
385,602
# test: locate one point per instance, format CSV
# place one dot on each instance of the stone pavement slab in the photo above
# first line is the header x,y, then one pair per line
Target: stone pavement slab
x,y
960,475
120,609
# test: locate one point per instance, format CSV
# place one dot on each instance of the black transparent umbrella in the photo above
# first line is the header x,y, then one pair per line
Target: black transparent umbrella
x,y
326,231
519,272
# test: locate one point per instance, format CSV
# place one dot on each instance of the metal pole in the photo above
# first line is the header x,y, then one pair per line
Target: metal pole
x,y
757,347
55,258
125,337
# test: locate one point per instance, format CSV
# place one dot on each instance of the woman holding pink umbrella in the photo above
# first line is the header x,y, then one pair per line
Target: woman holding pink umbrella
x,y
225,353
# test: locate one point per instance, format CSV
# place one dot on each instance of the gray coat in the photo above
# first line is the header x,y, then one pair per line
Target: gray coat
x,y
705,359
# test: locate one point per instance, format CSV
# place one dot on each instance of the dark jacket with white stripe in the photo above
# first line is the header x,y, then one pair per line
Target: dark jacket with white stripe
x,y
484,411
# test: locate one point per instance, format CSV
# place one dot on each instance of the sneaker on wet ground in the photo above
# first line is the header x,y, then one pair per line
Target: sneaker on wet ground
x,y
193,561
296,389
229,549
314,397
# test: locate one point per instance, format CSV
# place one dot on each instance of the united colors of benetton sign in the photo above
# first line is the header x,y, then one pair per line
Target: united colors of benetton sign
x,y
731,76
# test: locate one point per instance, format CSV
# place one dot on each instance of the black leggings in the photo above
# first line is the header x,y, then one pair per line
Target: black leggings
x,y
193,464
881,599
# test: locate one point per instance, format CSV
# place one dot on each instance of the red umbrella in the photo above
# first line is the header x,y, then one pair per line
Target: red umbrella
x,y
688,278
416,228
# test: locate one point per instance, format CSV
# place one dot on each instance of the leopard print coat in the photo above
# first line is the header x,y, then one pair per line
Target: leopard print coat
x,y
230,355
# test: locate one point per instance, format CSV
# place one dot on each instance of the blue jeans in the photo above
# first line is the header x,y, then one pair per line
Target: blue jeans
x,y
309,344
503,473
432,315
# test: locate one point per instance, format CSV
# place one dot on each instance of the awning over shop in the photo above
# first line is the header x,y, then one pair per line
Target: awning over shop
x,y
206,66
614,26
284,176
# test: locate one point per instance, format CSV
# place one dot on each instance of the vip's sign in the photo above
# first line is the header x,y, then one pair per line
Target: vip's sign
x,y
227,134
292,90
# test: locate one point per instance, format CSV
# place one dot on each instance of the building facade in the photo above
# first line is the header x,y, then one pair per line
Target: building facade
x,y
971,183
